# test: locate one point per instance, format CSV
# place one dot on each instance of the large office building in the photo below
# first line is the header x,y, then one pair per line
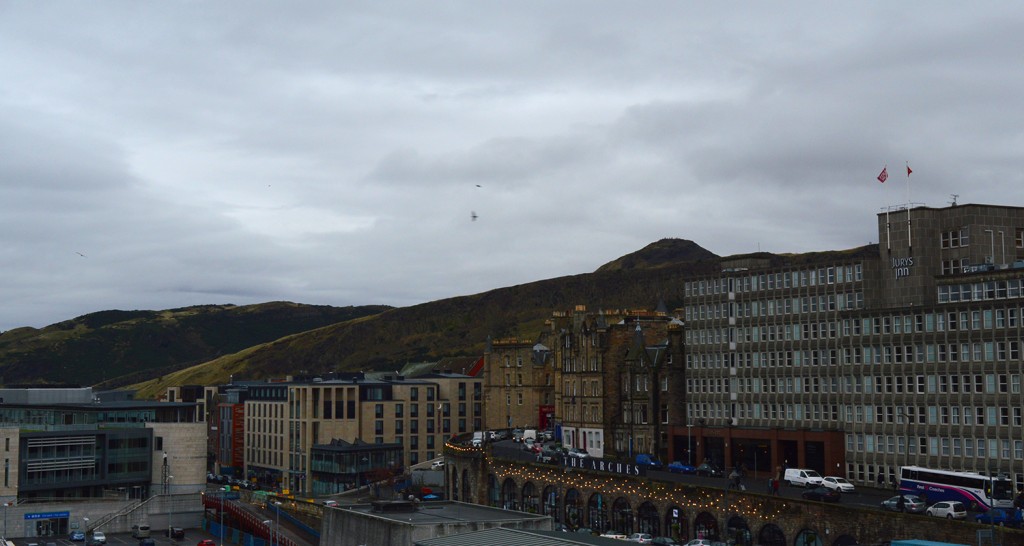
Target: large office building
x,y
858,362
72,443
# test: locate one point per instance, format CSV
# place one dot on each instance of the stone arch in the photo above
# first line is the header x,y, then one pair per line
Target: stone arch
x,y
845,540
676,524
597,513
573,509
531,500
807,537
622,516
737,532
509,501
455,484
771,535
493,494
705,525
648,520
549,506
467,491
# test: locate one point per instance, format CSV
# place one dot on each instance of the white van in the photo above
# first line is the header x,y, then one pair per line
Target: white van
x,y
140,531
478,439
802,477
530,434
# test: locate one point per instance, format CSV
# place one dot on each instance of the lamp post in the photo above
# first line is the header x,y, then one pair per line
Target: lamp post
x,y
991,512
277,523
269,523
223,493
689,444
902,414
170,507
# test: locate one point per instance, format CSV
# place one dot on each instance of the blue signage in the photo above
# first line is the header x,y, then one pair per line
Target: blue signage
x,y
47,515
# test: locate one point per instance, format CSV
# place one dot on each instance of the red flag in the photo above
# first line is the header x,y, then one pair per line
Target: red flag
x,y
883,175
909,171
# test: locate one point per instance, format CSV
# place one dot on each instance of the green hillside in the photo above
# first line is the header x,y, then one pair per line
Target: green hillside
x,y
119,347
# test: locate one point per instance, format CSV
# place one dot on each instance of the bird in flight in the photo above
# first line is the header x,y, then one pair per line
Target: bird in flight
x,y
80,254
473,216
478,185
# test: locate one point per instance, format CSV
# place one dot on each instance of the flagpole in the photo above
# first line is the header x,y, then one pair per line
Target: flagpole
x,y
888,245
910,241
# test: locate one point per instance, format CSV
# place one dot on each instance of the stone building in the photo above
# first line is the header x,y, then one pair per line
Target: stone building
x,y
614,373
519,388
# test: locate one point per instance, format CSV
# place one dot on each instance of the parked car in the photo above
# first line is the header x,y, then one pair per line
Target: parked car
x,y
802,477
836,483
613,534
207,542
92,542
175,532
665,541
1001,516
517,435
911,503
948,510
709,469
76,536
640,538
699,542
578,453
98,536
147,542
330,503
681,468
643,459
821,494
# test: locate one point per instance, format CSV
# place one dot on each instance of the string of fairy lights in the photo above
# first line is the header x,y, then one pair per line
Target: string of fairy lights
x,y
687,497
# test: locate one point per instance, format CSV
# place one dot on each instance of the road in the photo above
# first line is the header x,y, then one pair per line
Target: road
x,y
868,497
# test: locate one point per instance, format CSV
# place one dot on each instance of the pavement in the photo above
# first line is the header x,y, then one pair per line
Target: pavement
x,y
192,537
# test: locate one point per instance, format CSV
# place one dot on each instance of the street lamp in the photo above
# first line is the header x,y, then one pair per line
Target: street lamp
x,y
6,504
223,493
269,523
170,507
689,445
277,523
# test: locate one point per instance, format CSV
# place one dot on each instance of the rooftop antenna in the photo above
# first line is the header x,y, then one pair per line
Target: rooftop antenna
x,y
953,196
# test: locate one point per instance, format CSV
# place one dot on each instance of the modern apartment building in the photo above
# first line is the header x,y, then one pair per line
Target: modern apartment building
x,y
283,421
857,362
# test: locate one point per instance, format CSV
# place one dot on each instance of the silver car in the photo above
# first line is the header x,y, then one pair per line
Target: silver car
x,y
911,503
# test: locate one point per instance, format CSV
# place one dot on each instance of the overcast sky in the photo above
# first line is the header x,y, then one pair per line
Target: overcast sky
x,y
165,154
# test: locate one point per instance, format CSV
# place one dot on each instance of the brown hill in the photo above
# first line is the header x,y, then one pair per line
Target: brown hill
x,y
120,347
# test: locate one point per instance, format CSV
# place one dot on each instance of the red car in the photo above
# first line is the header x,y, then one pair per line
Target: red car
x,y
206,542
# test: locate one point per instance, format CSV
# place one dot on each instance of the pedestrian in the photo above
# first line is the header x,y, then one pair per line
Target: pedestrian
x,y
775,488
892,480
771,485
901,505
